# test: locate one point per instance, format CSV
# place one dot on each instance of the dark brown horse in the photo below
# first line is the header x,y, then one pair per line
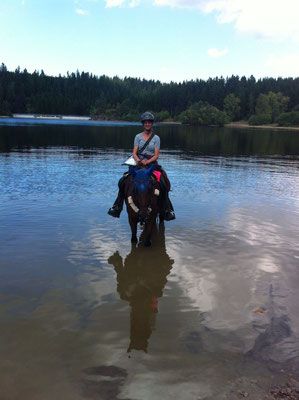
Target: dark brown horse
x,y
144,202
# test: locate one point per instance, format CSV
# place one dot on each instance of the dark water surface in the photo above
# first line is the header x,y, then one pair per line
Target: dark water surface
x,y
210,311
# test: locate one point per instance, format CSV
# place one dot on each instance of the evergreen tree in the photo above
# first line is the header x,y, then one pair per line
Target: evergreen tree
x,y
231,105
83,93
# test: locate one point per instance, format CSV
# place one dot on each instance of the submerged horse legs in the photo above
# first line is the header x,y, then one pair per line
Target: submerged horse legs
x,y
148,229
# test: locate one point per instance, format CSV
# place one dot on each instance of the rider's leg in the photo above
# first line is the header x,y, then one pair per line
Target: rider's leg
x,y
117,207
168,207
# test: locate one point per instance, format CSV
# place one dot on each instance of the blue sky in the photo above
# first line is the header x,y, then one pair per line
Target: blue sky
x,y
153,39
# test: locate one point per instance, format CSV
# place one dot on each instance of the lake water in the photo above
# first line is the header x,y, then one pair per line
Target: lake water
x,y
210,311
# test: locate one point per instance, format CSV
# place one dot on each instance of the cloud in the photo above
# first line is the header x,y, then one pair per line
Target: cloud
x,y
120,3
262,18
215,53
181,3
80,11
114,3
285,65
134,3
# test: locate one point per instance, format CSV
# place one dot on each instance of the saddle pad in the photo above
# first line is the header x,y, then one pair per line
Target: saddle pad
x,y
157,175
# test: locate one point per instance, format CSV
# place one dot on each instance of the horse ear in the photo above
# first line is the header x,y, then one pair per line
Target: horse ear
x,y
132,171
150,170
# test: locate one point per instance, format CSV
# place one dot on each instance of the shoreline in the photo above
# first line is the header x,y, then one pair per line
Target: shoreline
x,y
78,118
244,124
237,124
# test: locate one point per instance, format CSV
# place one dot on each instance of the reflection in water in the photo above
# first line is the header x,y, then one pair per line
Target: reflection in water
x,y
184,139
60,316
141,279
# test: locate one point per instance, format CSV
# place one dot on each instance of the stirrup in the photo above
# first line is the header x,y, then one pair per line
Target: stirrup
x,y
169,215
114,211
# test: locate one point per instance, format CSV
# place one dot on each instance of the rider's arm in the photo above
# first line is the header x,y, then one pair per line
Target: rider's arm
x,y
154,158
136,158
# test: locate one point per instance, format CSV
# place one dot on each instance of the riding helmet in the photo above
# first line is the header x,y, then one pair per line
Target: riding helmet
x,y
147,116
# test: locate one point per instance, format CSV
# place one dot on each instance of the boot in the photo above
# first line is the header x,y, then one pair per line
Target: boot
x,y
169,215
169,211
114,211
117,207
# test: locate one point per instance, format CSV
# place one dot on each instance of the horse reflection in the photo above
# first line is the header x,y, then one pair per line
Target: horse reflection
x,y
140,281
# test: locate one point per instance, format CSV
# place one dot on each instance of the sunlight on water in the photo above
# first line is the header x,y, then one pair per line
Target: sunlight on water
x,y
211,309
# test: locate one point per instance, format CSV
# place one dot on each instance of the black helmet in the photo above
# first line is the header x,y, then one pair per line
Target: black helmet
x,y
147,116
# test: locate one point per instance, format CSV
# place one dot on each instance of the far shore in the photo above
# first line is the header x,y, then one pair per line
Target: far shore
x,y
244,124
236,124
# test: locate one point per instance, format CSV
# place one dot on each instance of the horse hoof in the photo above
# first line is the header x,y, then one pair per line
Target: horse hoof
x,y
134,240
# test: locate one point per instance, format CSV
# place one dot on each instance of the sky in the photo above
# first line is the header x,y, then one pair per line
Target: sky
x,y
166,40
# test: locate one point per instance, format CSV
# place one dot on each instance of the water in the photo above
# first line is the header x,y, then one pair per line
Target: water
x,y
210,311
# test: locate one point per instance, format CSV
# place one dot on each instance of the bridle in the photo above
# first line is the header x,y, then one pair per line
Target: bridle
x,y
142,187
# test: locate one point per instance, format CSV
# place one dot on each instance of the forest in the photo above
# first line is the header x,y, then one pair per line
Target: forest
x,y
214,101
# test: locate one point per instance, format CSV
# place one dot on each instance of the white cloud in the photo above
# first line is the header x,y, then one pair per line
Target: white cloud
x,y
215,53
120,3
262,18
181,3
286,65
134,3
114,3
23,2
81,12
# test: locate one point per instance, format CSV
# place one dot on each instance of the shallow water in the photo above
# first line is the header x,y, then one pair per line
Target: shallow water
x,y
209,311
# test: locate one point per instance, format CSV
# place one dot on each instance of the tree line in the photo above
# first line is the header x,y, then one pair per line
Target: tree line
x,y
212,101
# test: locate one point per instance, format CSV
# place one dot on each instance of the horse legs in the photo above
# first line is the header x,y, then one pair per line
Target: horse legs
x,y
133,224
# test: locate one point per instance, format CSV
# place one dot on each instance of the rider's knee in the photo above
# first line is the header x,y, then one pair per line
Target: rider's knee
x,y
165,184
122,181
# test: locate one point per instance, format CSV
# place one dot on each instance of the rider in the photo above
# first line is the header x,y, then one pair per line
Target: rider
x,y
145,159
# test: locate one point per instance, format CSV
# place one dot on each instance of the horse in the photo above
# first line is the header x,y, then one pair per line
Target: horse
x,y
144,202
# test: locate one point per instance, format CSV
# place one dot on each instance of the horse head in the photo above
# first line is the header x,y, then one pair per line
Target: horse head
x,y
141,199
142,178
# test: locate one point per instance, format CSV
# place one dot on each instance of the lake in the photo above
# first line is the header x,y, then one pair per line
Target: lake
x,y
210,311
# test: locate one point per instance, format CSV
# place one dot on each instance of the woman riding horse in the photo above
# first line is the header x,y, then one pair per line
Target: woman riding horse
x,y
145,158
